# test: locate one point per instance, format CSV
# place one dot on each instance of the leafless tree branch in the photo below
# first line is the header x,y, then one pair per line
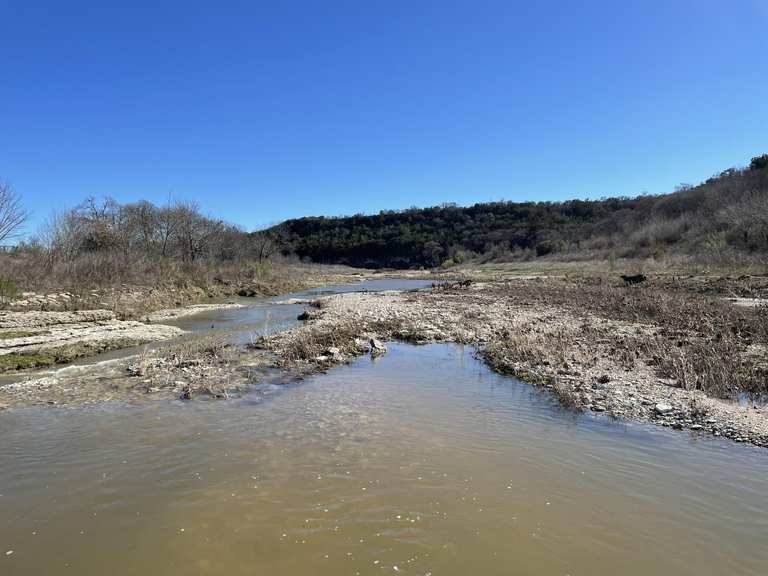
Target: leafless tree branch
x,y
12,213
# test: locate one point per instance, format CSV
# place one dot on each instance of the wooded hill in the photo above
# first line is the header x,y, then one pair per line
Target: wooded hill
x,y
723,219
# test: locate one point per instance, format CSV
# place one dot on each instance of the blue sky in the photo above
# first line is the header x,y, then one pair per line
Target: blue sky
x,y
263,111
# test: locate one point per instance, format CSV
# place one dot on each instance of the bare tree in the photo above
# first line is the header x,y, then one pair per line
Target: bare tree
x,y
167,225
12,213
231,244
195,232
145,224
749,217
61,237
267,243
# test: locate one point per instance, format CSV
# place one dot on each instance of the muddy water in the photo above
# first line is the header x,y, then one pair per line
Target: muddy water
x,y
421,463
264,316
256,317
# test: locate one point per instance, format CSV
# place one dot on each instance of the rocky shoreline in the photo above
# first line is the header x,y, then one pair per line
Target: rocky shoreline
x,y
40,339
40,330
586,361
38,346
582,352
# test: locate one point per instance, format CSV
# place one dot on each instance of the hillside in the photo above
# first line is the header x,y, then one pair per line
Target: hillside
x,y
724,219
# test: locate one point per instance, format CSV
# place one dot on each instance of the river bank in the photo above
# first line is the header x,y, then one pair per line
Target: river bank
x,y
137,301
424,460
43,330
39,339
681,362
674,357
195,351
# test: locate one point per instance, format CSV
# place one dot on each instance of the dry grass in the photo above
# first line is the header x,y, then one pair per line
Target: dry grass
x,y
530,348
336,341
566,395
761,322
666,305
191,368
315,341
211,350
535,357
700,341
718,367
134,288
529,354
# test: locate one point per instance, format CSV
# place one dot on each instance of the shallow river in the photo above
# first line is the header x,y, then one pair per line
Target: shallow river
x,y
422,462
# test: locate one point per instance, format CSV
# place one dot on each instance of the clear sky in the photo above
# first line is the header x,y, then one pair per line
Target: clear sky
x,y
263,111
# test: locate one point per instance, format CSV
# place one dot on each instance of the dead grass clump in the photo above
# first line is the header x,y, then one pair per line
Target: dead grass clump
x,y
210,351
316,341
536,358
761,322
191,368
565,393
329,341
448,286
718,367
206,351
698,410
702,341
665,306
534,348
528,355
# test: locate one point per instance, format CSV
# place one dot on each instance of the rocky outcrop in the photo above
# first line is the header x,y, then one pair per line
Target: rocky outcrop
x,y
38,319
174,313
59,335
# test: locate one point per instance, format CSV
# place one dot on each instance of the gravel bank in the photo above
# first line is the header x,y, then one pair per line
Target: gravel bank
x,y
587,361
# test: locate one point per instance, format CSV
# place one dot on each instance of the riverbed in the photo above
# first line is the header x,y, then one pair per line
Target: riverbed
x,y
421,462
236,320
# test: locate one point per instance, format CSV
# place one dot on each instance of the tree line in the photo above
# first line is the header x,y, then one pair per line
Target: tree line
x,y
178,231
724,218
102,241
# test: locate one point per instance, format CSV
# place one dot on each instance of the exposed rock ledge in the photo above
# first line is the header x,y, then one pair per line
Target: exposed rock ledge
x,y
173,313
37,339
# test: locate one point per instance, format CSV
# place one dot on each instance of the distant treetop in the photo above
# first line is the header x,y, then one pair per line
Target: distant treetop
x,y
759,162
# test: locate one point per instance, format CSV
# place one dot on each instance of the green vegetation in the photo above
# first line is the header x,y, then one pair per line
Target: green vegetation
x,y
8,290
18,334
14,361
759,162
60,355
723,220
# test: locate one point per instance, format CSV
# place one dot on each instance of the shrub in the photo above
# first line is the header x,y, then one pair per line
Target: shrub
x,y
8,290
546,247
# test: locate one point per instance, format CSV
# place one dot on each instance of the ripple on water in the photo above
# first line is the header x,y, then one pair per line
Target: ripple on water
x,y
426,462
